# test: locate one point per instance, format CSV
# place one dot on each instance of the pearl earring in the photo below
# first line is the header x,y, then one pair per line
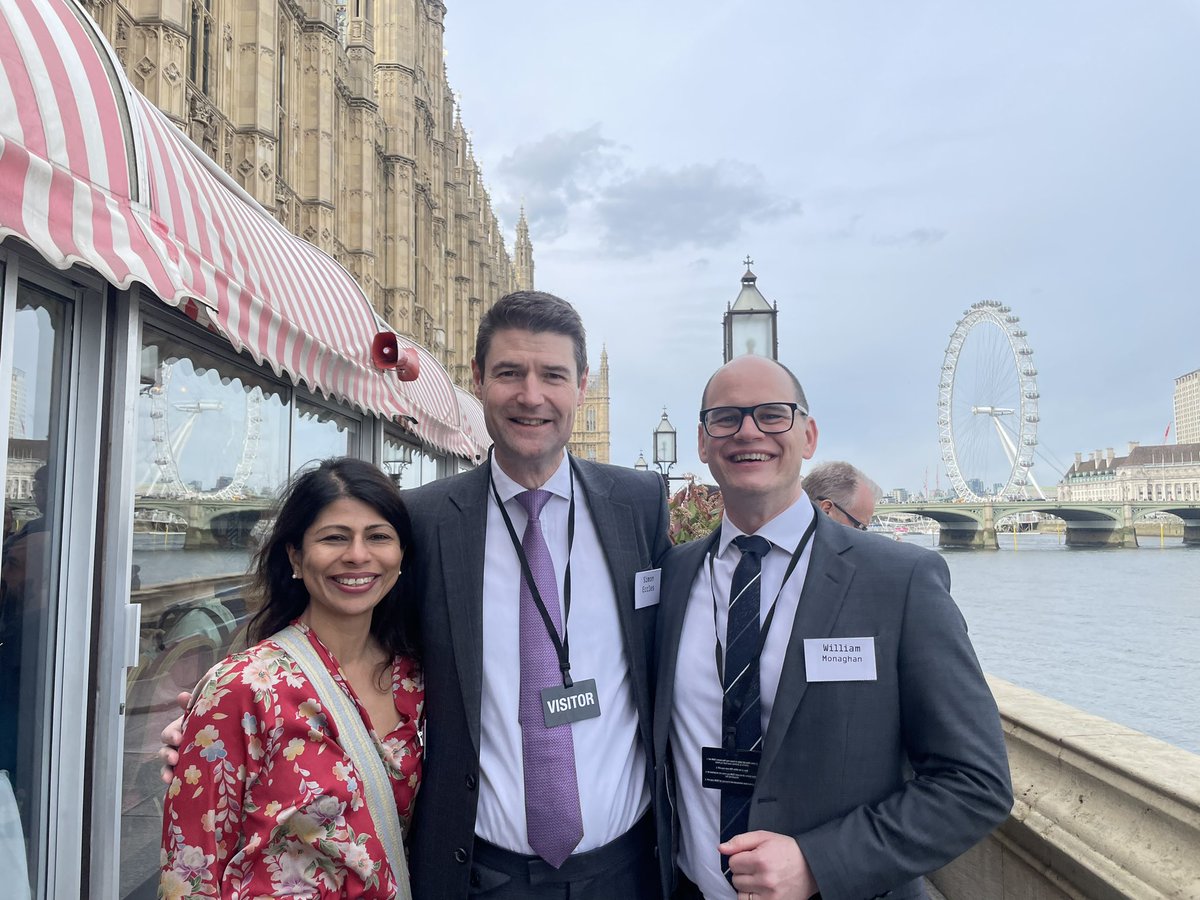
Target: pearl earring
x,y
295,575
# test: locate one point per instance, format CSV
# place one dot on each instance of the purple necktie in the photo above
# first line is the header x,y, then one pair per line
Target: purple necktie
x,y
552,813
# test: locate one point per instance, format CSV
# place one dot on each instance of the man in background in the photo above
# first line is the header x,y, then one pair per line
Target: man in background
x,y
843,493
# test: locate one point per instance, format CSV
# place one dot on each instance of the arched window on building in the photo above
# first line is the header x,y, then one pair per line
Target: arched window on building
x,y
590,418
200,46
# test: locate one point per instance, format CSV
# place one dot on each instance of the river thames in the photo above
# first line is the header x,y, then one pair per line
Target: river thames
x,y
1112,632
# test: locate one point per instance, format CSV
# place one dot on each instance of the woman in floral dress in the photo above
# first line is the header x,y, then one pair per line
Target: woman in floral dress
x,y
264,800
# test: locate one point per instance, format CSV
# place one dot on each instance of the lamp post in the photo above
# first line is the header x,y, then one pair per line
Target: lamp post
x,y
664,451
664,445
750,324
641,465
401,460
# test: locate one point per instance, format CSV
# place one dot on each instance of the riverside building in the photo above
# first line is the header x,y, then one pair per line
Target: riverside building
x,y
1187,408
1166,472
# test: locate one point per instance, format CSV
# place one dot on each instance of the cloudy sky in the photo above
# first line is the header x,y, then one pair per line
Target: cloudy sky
x,y
886,165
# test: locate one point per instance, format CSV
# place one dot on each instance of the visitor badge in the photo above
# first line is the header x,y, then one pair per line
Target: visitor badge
x,y
729,769
840,659
563,705
645,588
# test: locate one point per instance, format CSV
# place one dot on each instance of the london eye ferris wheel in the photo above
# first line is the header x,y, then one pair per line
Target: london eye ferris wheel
x,y
988,406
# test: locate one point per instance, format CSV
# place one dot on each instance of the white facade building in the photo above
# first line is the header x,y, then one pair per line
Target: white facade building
x,y
1187,408
1166,472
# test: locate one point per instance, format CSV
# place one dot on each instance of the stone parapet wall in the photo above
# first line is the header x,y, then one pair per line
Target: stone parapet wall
x,y
1101,811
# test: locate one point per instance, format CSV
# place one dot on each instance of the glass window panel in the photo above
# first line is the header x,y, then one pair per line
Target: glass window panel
x,y
321,432
29,565
421,470
399,457
211,456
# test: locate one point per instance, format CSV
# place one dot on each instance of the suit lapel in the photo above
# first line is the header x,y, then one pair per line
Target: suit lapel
x,y
680,571
825,586
461,534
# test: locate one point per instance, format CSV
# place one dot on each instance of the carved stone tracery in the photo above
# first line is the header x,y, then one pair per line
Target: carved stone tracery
x,y
368,131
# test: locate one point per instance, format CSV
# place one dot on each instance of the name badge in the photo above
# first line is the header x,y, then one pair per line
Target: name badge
x,y
645,588
840,659
562,705
729,769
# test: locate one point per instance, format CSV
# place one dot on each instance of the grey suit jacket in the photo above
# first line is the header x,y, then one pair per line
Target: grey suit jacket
x,y
446,564
880,782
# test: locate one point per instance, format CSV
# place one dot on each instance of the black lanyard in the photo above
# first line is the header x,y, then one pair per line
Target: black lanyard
x,y
561,645
766,625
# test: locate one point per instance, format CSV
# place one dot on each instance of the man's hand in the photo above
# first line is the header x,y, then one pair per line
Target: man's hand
x,y
172,737
768,866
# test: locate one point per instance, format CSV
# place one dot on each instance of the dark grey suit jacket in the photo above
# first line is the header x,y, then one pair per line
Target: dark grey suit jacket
x,y
446,564
880,782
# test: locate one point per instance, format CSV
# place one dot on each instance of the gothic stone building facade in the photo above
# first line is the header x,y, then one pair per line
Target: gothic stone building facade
x,y
590,435
336,116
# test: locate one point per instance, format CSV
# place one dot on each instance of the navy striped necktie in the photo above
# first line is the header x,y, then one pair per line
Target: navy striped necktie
x,y
741,722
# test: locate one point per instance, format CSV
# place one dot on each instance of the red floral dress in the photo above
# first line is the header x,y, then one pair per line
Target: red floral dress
x,y
265,802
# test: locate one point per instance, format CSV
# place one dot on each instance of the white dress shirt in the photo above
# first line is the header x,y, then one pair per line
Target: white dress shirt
x,y
610,762
696,716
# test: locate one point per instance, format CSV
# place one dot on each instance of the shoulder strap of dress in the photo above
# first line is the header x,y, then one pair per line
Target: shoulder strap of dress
x,y
359,746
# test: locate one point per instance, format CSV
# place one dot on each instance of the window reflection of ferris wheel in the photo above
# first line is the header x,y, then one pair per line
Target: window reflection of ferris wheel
x,y
169,445
988,406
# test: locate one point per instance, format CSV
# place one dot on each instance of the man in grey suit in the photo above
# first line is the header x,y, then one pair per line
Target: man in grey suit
x,y
843,741
474,824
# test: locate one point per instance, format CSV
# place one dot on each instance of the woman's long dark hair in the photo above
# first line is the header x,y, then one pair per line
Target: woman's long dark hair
x,y
283,598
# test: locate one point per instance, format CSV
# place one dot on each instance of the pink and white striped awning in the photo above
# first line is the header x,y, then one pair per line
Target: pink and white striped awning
x,y
68,173
93,173
474,423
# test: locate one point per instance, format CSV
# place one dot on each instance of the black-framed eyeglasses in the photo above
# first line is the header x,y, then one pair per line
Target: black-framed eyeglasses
x,y
853,521
771,418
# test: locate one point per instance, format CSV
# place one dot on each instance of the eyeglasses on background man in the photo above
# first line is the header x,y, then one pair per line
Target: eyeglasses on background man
x,y
850,520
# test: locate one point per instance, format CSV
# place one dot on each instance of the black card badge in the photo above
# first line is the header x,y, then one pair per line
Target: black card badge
x,y
563,705
724,769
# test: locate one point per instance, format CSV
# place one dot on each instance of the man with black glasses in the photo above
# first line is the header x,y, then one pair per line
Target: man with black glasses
x,y
843,493
821,721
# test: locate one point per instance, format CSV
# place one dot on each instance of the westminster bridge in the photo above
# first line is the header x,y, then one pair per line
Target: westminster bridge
x,y
208,521
972,525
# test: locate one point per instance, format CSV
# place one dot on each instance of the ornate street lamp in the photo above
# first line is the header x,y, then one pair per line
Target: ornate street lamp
x,y
401,460
664,446
750,322
640,465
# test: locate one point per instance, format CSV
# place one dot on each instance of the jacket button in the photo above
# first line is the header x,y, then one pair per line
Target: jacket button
x,y
472,781
460,855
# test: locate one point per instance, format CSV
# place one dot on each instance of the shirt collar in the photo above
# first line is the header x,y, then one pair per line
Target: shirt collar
x,y
559,484
783,531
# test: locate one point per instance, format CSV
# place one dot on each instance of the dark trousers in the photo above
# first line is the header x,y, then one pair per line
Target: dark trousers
x,y
685,890
625,868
